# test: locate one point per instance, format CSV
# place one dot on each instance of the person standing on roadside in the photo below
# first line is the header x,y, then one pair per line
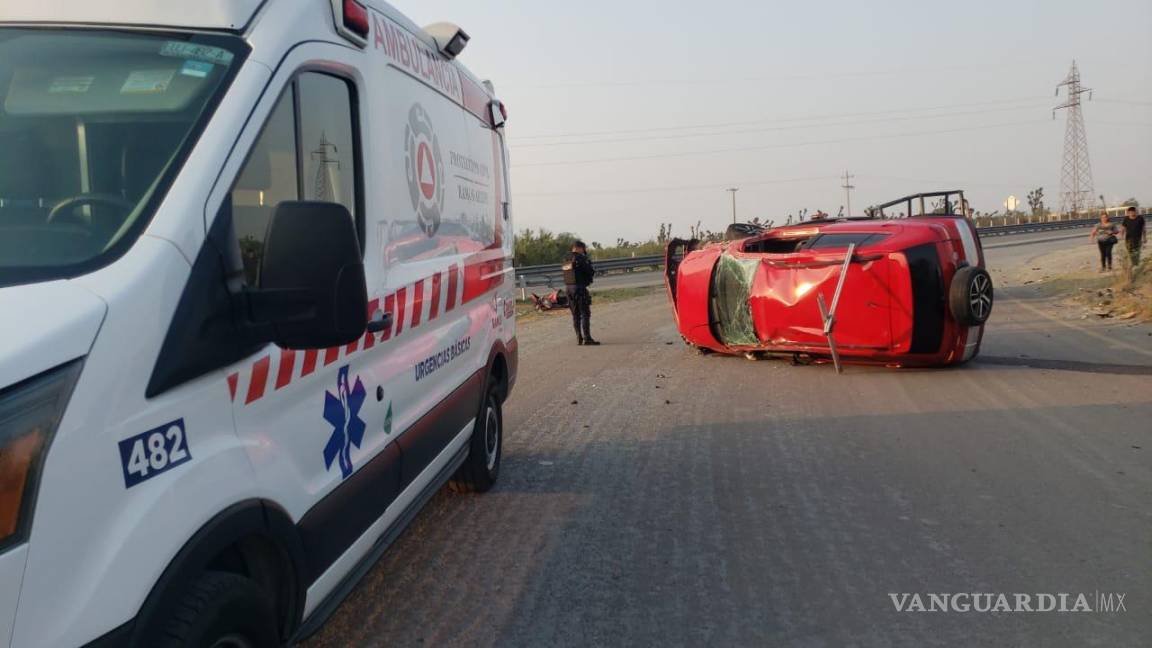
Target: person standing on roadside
x,y
1104,233
578,273
1133,234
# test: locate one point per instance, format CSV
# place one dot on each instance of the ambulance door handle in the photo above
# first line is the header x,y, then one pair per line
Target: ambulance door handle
x,y
383,322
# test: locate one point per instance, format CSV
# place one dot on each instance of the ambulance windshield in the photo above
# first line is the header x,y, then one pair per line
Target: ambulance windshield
x,y
93,127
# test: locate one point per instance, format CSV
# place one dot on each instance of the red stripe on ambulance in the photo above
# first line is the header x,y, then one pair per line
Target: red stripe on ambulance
x,y
401,299
309,362
417,302
482,273
259,379
287,365
453,280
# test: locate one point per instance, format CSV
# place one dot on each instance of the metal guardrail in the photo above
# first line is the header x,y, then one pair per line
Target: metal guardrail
x,y
540,275
1031,228
547,275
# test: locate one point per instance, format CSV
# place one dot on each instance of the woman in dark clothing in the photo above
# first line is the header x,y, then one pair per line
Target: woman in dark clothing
x,y
1104,233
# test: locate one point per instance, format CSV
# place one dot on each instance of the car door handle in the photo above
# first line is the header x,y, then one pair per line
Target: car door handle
x,y
383,323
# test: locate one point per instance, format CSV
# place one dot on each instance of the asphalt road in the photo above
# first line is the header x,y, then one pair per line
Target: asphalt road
x,y
649,496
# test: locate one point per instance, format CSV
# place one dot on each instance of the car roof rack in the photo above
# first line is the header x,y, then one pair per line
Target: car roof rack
x,y
921,200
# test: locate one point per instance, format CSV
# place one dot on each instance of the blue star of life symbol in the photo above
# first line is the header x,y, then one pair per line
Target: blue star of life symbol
x,y
342,410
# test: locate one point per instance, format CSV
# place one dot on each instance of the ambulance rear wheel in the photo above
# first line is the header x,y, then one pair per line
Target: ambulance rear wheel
x,y
479,472
223,610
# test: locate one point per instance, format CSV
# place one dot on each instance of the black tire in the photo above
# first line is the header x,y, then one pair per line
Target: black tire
x,y
480,470
222,609
971,296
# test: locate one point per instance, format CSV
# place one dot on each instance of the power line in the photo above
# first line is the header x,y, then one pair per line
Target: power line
x,y
771,146
648,138
719,185
1112,123
950,182
672,188
820,76
1028,100
1126,101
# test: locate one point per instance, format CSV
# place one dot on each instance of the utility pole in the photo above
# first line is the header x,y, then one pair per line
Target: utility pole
x,y
1076,176
848,187
733,191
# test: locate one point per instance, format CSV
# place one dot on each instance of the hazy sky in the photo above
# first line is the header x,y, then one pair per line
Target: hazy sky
x,y
624,114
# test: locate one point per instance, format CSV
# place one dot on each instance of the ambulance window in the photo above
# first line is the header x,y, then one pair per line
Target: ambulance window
x,y
327,151
269,177
307,151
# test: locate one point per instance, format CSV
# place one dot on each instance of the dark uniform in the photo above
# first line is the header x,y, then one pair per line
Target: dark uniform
x,y
578,272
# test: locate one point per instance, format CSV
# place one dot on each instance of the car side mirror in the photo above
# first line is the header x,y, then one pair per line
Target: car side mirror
x,y
312,290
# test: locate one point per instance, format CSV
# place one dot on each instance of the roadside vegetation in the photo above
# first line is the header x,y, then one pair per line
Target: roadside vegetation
x,y
542,246
1124,294
1132,293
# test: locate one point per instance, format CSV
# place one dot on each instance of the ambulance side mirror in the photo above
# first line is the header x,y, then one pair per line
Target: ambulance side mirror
x,y
312,290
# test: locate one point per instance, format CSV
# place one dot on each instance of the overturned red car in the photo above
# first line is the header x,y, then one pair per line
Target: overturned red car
x,y
904,286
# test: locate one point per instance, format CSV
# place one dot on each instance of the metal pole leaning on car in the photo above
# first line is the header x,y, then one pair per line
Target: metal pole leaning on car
x,y
828,315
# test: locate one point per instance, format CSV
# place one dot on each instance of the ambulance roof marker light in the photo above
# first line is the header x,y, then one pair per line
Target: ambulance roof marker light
x,y
352,21
450,39
356,18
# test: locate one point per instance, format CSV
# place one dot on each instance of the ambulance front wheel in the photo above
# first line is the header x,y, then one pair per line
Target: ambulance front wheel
x,y
479,471
223,610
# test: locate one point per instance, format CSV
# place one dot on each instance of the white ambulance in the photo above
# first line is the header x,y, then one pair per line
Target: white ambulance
x,y
255,308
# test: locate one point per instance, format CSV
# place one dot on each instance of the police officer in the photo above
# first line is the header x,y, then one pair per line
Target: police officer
x,y
578,272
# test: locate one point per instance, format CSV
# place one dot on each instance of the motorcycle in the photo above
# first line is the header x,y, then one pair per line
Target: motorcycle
x,y
555,300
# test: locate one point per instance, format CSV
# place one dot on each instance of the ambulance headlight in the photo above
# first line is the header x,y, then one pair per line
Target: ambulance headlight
x,y
29,413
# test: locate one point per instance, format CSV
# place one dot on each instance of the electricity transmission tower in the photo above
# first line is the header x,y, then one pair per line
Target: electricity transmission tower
x,y
322,188
1076,175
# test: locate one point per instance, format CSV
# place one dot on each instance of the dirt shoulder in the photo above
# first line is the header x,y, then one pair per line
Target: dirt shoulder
x,y
1073,280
